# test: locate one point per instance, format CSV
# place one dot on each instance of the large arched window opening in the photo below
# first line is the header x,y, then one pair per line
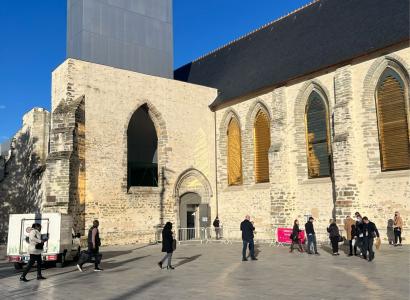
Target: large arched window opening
x,y
234,153
392,117
142,149
317,136
261,135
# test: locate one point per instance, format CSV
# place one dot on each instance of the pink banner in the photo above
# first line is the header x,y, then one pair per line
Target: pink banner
x,y
284,235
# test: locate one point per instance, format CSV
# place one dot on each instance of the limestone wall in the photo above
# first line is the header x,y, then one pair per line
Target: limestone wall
x,y
359,183
185,129
22,186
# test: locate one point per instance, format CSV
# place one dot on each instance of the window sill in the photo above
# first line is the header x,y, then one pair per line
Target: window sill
x,y
259,186
323,180
233,188
143,189
392,174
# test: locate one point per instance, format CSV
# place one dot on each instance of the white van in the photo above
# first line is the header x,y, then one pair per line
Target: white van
x,y
63,243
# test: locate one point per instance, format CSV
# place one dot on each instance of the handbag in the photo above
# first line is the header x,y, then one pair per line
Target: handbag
x,y
174,244
40,246
340,239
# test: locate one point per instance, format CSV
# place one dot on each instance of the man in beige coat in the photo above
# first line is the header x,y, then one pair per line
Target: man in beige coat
x,y
349,222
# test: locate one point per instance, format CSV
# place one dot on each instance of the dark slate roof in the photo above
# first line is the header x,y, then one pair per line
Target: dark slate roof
x,y
322,34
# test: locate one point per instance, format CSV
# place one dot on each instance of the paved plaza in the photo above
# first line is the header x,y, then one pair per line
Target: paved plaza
x,y
215,271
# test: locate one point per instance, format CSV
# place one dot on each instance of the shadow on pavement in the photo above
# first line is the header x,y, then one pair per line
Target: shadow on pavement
x,y
139,289
186,260
112,265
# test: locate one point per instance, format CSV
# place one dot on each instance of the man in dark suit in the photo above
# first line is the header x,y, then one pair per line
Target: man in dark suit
x,y
247,229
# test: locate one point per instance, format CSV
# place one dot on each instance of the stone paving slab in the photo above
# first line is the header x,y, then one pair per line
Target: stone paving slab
x,y
215,271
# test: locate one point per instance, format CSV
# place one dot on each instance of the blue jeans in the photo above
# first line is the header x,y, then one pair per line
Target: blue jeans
x,y
312,241
251,248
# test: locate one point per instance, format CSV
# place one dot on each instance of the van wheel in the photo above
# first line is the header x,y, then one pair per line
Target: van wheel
x,y
61,262
18,266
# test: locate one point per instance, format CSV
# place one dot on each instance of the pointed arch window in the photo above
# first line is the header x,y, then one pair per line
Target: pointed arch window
x,y
142,160
234,153
392,117
261,137
317,136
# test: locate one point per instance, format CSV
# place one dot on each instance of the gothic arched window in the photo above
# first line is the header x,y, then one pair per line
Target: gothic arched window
x,y
392,116
317,136
234,153
142,149
261,135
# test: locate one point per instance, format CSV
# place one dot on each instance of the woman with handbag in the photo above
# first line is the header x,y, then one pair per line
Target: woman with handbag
x,y
35,248
168,245
295,237
334,236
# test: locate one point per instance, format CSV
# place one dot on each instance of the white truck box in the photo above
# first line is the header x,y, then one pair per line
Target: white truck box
x,y
63,244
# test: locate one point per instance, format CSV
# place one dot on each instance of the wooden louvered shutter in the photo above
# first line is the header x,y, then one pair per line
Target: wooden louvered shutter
x,y
261,147
317,137
234,153
393,126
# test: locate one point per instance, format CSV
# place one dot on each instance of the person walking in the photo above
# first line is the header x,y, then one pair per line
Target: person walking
x,y
247,229
334,236
349,225
398,226
167,245
358,235
94,243
35,248
311,236
217,228
295,237
369,233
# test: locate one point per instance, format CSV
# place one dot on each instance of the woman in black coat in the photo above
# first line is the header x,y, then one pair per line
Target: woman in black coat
x,y
295,236
167,245
334,236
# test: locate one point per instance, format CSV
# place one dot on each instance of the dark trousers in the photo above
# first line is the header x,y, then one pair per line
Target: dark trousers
x,y
312,242
358,245
294,242
351,248
92,253
251,248
335,244
397,235
368,247
33,258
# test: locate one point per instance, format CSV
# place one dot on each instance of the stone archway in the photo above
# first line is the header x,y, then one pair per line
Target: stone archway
x,y
193,193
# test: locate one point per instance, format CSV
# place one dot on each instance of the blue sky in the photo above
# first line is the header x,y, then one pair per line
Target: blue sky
x,y
33,37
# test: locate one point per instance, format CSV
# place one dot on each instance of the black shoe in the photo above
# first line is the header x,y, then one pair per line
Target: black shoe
x,y
350,254
24,279
98,269
160,265
254,258
317,253
309,252
244,259
170,267
40,277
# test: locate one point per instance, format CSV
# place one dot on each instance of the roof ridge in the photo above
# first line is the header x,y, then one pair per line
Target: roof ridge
x,y
255,30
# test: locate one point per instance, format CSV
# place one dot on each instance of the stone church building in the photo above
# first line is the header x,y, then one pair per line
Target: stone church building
x,y
308,115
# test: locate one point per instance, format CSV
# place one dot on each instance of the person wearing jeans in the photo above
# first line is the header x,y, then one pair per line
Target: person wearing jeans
x,y
247,229
311,236
398,225
167,245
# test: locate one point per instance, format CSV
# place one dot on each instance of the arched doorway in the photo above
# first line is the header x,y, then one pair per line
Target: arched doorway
x,y
192,194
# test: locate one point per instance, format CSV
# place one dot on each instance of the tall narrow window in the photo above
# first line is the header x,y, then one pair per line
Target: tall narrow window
x,y
393,123
142,150
317,136
234,153
261,135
